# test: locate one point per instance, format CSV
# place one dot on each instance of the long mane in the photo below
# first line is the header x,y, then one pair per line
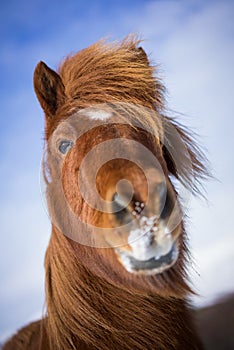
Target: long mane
x,y
112,72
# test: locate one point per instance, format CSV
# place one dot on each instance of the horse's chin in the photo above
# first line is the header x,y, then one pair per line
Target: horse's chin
x,y
154,265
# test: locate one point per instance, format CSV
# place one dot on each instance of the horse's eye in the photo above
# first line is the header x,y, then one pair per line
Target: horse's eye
x,y
65,145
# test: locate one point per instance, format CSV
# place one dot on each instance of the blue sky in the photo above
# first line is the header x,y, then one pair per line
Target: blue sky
x,y
192,41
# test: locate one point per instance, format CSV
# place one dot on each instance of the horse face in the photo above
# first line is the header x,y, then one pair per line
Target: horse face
x,y
114,183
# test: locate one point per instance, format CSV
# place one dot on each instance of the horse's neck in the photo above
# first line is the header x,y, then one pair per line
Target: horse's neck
x,y
86,310
146,322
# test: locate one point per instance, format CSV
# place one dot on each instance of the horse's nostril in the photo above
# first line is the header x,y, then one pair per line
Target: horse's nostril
x,y
167,206
120,208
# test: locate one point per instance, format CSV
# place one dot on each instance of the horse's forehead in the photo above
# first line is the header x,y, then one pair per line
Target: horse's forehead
x,y
84,120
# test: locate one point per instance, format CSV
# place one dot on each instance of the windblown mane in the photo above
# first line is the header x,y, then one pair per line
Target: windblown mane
x,y
106,72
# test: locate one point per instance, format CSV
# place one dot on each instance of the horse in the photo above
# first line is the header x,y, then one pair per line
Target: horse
x,y
114,166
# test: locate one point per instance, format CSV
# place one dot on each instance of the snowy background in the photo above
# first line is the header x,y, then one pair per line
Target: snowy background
x,y
193,42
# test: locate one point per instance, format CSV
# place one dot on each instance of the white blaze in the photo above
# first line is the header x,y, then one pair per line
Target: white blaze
x,y
96,114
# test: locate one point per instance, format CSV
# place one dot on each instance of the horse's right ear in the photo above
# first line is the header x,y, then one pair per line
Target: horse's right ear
x,y
142,55
49,89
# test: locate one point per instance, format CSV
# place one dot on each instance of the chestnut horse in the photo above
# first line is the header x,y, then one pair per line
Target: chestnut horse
x,y
114,167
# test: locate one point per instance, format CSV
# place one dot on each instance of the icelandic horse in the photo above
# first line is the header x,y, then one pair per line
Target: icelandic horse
x,y
114,168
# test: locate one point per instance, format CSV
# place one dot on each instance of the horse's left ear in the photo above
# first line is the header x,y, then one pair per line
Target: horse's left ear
x,y
49,89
